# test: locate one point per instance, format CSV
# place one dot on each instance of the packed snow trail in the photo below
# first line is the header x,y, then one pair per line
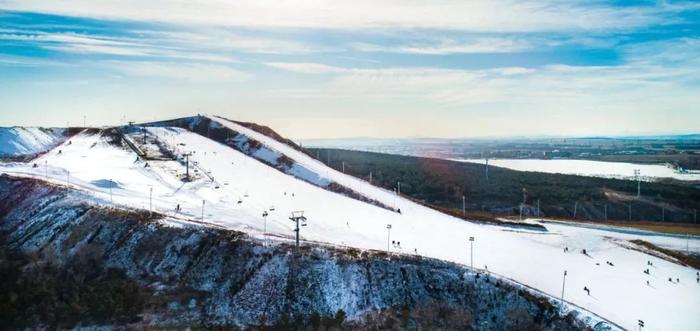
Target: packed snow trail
x,y
617,292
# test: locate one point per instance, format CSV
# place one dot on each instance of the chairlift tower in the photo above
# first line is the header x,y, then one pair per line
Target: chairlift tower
x,y
298,218
187,165
638,178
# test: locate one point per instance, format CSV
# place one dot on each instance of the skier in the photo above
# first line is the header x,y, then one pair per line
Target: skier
x,y
647,283
584,251
587,290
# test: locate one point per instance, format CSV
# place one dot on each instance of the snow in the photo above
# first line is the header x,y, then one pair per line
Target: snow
x,y
20,141
621,170
536,259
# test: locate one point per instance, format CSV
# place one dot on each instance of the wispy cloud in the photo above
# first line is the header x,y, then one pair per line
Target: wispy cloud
x,y
119,46
307,68
498,59
443,47
495,15
672,64
199,73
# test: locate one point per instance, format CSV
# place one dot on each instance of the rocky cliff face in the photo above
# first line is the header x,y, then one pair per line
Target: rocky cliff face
x,y
153,272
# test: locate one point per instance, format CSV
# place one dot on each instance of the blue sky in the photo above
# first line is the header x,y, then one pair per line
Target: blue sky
x,y
374,68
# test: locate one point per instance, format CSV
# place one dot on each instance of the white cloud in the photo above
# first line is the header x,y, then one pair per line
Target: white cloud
x,y
643,82
119,46
443,47
474,15
306,68
223,40
199,73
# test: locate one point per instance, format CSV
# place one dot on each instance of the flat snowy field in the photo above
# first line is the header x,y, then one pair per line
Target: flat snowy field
x,y
589,168
244,188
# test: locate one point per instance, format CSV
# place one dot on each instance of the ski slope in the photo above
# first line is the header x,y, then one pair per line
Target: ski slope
x,y
18,141
243,188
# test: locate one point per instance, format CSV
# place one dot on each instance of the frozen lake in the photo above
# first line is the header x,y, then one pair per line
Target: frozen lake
x,y
621,170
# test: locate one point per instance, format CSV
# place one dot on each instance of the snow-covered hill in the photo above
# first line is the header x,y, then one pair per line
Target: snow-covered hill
x,y
199,277
235,186
18,141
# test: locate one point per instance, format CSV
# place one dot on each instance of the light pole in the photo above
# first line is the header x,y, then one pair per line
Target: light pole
x,y
563,285
264,215
487,168
638,178
464,206
606,211
471,252
663,214
150,200
111,183
388,238
46,169
203,201
399,189
538,208
630,210
521,212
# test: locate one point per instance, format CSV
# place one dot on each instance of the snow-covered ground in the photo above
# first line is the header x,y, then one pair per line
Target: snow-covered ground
x,y
620,170
244,188
18,141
